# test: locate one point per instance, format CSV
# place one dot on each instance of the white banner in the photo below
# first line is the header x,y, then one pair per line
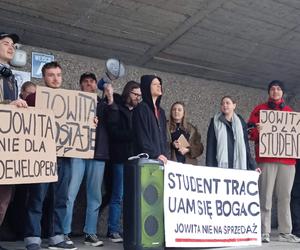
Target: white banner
x,y
210,207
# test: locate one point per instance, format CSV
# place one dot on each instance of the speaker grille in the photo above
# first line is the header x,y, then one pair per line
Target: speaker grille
x,y
151,225
150,194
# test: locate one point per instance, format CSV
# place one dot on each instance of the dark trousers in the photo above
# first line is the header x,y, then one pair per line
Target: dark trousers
x,y
59,193
5,196
295,201
17,210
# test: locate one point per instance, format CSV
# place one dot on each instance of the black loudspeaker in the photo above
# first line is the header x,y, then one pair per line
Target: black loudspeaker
x,y
143,215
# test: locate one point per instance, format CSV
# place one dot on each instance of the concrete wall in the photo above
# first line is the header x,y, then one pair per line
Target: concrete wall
x,y
202,98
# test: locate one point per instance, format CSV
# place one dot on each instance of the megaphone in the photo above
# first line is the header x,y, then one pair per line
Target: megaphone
x,y
114,69
20,57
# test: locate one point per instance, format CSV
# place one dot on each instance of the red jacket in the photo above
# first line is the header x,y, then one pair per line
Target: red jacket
x,y
254,134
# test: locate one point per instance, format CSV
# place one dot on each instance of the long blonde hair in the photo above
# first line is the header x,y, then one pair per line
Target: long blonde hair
x,y
183,124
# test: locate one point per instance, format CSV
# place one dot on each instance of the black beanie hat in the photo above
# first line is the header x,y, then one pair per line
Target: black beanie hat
x,y
87,75
276,83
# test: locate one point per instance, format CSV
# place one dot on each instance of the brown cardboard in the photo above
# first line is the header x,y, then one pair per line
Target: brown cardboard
x,y
27,145
74,113
279,136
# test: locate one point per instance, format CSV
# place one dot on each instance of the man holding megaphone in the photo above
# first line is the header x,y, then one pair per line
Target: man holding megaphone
x,y
114,69
121,138
90,169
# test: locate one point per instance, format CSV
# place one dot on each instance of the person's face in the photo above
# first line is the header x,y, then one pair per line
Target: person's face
x,y
275,93
134,97
227,106
7,50
155,88
28,90
177,112
89,85
53,78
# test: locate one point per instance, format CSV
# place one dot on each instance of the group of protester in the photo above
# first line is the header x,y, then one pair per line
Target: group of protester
x,y
70,171
133,123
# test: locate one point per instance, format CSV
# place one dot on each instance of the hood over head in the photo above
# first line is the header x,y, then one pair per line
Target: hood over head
x,y
146,90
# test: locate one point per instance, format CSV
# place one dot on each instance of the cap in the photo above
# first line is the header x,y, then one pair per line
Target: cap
x,y
14,37
276,83
87,75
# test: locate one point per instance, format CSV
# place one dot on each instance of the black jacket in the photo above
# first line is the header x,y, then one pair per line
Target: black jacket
x,y
119,125
149,132
211,145
101,143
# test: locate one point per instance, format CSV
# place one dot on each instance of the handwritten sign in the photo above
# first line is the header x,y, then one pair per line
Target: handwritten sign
x,y
210,207
27,145
74,113
280,134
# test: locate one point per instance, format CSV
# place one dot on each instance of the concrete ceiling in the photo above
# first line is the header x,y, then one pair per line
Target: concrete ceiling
x,y
247,42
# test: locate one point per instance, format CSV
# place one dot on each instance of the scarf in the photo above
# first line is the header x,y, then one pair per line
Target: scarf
x,y
240,156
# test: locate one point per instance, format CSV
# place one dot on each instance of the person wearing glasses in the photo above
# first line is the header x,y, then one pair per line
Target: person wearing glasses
x,y
119,120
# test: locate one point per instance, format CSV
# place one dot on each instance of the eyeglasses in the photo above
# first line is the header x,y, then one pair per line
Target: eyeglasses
x,y
136,94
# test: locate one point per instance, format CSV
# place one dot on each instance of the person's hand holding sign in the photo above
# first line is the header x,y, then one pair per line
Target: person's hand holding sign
x,y
19,103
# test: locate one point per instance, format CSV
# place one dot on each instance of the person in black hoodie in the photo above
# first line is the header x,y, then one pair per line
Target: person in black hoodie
x,y
119,124
149,121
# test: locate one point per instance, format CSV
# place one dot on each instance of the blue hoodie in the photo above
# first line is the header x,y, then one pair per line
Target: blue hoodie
x,y
149,131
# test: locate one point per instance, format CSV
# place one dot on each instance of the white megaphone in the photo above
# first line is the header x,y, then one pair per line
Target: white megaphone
x,y
20,57
114,69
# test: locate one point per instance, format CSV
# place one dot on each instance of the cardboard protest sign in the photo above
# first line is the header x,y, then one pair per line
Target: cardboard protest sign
x,y
27,145
74,113
210,207
280,134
